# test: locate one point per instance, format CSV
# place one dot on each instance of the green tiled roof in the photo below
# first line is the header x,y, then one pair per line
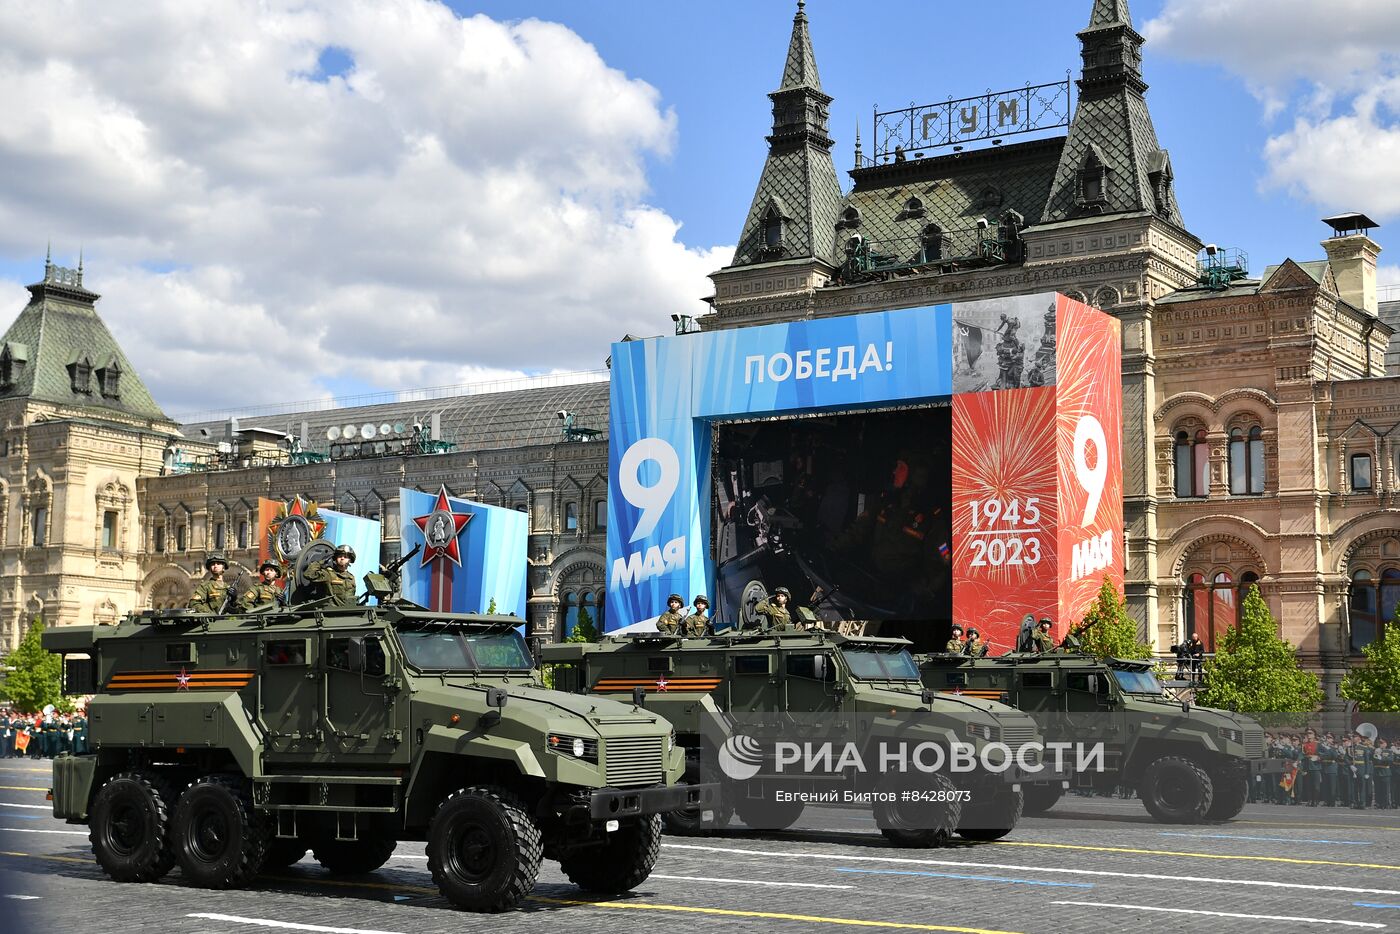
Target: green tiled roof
x,y
59,329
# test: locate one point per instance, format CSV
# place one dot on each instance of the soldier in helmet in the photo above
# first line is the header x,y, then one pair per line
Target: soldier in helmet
x,y
336,579
775,610
671,621
266,589
697,621
211,593
955,641
1042,641
974,646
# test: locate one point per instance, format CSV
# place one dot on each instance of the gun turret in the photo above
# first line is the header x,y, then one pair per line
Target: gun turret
x,y
384,586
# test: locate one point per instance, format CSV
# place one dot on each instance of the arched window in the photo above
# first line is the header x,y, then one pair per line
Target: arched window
x,y
1247,580
772,230
1362,611
1361,472
570,602
1191,457
1246,461
600,515
568,612
571,517
1208,608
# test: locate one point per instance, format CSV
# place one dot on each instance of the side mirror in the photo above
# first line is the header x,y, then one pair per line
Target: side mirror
x,y
496,697
926,697
639,697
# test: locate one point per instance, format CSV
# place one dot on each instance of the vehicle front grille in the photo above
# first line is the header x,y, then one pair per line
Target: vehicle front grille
x,y
1017,736
1254,743
633,760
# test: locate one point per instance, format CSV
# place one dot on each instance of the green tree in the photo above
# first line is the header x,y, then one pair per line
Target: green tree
x,y
1107,630
35,677
584,629
1255,670
1375,686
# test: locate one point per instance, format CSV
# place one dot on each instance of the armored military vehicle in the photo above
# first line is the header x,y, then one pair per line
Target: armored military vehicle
x,y
231,744
1186,763
806,685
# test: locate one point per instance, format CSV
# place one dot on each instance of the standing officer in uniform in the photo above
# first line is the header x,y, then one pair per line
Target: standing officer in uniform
x,y
212,592
974,646
670,622
955,642
1327,752
1361,773
775,610
1044,642
336,579
1311,769
266,589
697,621
1196,652
7,734
1382,758
1394,776
80,732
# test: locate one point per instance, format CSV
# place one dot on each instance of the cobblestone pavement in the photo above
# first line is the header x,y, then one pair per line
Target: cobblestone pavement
x,y
1090,864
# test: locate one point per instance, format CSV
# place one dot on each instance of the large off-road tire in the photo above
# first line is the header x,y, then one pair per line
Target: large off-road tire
x,y
1231,786
762,814
926,823
991,819
484,850
282,853
621,864
220,841
1040,798
353,857
1176,790
130,827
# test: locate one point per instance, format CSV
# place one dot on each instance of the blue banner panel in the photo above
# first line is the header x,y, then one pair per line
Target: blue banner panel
x,y
665,391
472,553
360,534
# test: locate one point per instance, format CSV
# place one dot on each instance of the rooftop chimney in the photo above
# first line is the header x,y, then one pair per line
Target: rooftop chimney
x,y
1352,254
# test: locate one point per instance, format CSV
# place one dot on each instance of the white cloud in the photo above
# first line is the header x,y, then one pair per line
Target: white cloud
x,y
468,197
1333,68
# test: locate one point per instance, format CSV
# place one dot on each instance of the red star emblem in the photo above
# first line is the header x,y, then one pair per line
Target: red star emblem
x,y
184,679
661,683
442,512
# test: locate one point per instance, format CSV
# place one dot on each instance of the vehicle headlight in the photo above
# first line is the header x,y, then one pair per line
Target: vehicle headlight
x,y
575,746
1232,735
981,731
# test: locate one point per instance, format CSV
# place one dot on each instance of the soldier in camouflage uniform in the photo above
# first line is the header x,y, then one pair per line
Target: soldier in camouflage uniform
x,y
697,621
266,589
336,579
974,646
1044,643
955,642
775,610
671,621
212,592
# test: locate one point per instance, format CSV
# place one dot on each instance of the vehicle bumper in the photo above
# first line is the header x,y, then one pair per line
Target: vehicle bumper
x,y
612,803
1046,775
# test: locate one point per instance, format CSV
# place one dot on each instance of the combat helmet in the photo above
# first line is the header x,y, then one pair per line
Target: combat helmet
x,y
215,557
270,564
344,550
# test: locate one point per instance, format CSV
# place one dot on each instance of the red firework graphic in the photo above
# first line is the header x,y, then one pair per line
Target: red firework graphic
x,y
1005,511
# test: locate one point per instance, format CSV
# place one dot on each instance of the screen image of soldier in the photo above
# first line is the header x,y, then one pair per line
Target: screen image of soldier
x,y
211,594
774,610
335,577
697,621
670,621
265,591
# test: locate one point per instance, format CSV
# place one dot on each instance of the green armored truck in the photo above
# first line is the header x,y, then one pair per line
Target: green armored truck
x,y
232,744
751,691
1188,764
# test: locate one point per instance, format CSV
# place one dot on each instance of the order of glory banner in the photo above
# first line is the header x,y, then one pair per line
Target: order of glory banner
x,y
1036,495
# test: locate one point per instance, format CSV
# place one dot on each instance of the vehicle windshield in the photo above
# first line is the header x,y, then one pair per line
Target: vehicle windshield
x,y
452,648
1137,682
880,664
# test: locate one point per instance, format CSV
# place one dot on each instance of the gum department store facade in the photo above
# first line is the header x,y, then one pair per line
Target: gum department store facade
x,y
99,516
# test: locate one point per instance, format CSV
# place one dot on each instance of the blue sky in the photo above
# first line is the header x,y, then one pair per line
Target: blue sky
x,y
328,197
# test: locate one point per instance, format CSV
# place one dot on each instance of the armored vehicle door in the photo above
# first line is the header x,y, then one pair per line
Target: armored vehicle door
x,y
364,710
1087,697
289,706
754,685
810,681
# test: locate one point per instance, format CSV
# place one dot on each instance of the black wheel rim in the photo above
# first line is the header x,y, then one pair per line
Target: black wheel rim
x,y
471,853
1174,791
126,829
209,835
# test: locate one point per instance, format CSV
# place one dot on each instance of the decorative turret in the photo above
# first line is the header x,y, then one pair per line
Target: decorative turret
x,y
1111,162
795,207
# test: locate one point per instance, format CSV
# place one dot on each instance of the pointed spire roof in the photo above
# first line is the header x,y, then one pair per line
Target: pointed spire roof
x,y
800,69
58,350
1110,13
